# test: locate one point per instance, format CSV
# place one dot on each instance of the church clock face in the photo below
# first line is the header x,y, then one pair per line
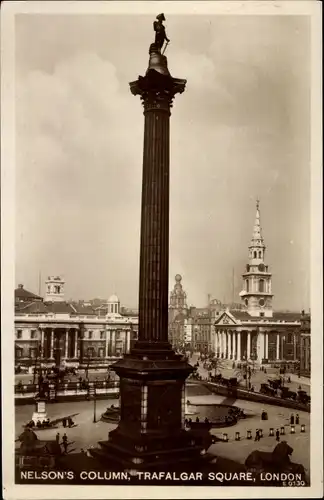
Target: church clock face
x,y
261,267
261,302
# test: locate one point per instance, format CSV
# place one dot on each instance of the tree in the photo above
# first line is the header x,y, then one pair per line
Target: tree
x,y
217,364
246,370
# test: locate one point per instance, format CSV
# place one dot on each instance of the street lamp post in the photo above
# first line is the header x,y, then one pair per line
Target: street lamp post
x,y
36,360
87,367
94,403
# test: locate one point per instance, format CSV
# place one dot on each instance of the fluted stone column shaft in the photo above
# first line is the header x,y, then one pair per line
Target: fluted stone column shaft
x,y
52,344
224,345
234,345
277,347
113,342
248,345
75,343
239,346
229,343
66,344
42,343
154,255
128,340
106,343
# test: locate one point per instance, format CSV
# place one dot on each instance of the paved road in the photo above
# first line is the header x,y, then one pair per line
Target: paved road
x,y
86,433
258,377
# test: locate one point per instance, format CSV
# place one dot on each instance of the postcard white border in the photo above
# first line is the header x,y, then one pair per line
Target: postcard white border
x,y
8,11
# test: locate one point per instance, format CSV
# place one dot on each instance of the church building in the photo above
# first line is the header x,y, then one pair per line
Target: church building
x,y
257,332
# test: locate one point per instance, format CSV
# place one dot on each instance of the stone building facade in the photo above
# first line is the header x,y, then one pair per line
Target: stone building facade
x,y
305,344
56,331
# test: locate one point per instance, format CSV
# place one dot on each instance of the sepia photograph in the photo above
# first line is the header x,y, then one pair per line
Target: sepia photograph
x,y
161,250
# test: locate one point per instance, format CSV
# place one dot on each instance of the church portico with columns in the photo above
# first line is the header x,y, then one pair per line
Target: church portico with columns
x,y
257,332
261,340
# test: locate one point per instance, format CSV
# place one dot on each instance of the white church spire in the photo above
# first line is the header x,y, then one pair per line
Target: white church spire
x,y
256,293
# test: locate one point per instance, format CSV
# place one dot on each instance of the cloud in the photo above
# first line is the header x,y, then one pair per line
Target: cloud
x,y
239,131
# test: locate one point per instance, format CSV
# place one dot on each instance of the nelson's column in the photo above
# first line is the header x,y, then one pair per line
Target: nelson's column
x,y
151,433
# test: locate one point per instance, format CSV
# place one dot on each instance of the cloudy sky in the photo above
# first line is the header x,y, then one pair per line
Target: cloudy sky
x,y
240,131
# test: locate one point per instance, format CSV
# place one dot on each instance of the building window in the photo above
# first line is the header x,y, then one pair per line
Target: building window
x,y
101,352
102,335
32,353
118,335
90,334
261,286
262,314
254,254
289,338
19,334
247,285
90,352
19,352
33,334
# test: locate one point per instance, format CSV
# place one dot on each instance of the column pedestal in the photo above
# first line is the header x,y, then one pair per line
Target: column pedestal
x,y
40,411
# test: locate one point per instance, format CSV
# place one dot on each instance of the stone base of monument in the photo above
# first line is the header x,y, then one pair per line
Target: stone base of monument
x,y
150,433
158,451
40,411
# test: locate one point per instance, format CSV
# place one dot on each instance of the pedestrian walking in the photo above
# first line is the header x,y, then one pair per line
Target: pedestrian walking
x,y
257,435
292,419
65,442
297,419
277,435
64,422
57,437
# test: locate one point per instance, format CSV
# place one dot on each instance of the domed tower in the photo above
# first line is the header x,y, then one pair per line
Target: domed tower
x,y
113,305
178,298
256,293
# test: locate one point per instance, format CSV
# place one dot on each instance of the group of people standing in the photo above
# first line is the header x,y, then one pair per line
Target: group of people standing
x,y
64,442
